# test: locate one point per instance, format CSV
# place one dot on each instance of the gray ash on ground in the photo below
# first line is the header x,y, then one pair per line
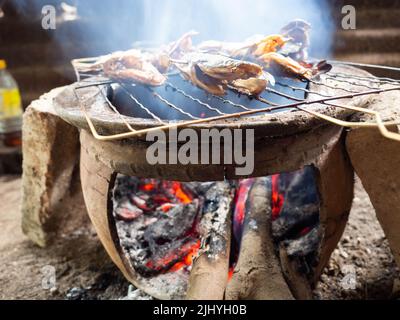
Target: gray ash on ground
x,y
364,250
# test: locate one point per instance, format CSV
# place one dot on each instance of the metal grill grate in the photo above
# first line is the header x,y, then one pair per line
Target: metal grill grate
x,y
367,86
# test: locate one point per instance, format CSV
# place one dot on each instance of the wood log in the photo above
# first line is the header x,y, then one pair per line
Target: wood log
x,y
258,273
209,274
298,283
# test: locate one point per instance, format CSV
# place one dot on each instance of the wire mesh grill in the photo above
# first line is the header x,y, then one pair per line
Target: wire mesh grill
x,y
360,86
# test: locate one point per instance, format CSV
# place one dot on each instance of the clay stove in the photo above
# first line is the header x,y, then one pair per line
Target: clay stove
x,y
285,142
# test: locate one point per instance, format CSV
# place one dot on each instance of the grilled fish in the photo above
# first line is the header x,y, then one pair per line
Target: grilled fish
x,y
193,73
280,65
224,68
256,46
132,65
269,44
298,32
182,45
213,72
253,86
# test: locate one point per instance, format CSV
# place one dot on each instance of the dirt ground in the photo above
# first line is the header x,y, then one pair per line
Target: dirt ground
x,y
83,270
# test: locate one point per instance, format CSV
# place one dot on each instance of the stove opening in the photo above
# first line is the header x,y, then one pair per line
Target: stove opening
x,y
159,222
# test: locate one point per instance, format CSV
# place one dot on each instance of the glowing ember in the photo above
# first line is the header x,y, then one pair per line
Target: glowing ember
x,y
230,273
188,259
161,194
188,251
180,194
277,198
305,231
148,187
240,206
166,207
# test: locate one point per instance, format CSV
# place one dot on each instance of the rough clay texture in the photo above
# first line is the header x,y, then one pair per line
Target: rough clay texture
x,y
51,194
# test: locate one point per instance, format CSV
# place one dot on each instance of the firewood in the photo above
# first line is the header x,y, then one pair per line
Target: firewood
x,y
209,275
258,273
298,284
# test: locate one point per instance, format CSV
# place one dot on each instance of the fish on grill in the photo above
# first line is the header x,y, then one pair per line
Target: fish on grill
x,y
280,65
253,47
224,68
161,58
253,86
193,73
133,66
298,31
271,43
214,72
179,47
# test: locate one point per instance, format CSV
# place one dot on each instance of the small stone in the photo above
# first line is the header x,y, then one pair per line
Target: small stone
x,y
253,224
76,293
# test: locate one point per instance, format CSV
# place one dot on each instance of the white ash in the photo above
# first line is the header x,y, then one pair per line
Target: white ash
x,y
253,225
136,294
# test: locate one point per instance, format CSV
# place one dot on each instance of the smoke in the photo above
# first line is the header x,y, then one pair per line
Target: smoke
x,y
112,25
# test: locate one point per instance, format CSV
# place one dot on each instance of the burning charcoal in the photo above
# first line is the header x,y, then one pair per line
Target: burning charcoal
x,y
213,197
140,202
240,209
124,187
296,221
127,211
199,188
166,207
290,223
305,245
175,225
300,206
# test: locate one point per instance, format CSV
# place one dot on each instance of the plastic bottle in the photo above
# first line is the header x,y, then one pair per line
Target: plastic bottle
x,y
10,111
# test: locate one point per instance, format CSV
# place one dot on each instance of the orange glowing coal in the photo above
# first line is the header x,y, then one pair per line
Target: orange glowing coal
x,y
165,195
166,207
188,259
277,198
180,194
148,186
230,273
240,204
188,251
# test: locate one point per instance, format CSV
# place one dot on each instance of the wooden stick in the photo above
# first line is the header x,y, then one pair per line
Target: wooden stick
x,y
258,273
209,275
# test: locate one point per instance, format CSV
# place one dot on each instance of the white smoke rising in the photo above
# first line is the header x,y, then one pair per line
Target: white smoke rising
x,y
116,24
235,20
